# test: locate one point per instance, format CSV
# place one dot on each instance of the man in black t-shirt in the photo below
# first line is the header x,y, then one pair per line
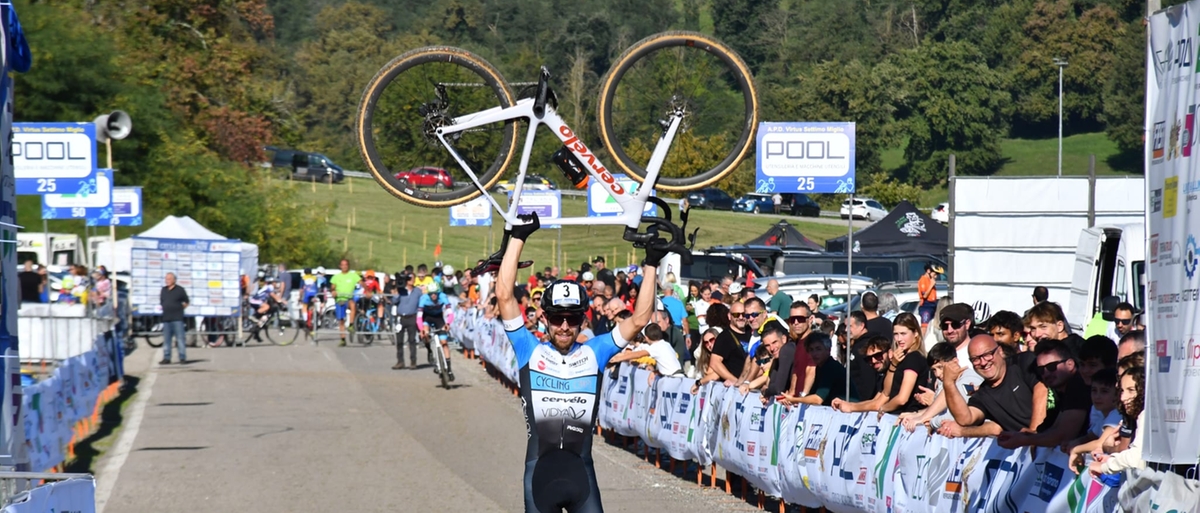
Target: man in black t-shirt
x,y
862,373
1072,399
830,381
31,284
727,358
1004,402
876,325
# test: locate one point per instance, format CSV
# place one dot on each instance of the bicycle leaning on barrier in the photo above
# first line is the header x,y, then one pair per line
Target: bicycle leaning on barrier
x,y
669,85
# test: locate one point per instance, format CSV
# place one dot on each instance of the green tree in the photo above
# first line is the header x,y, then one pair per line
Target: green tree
x,y
738,22
1124,113
950,102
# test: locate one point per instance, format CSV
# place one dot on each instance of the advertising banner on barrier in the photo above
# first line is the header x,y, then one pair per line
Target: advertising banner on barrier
x,y
1172,173
207,269
52,157
600,202
477,212
805,157
92,201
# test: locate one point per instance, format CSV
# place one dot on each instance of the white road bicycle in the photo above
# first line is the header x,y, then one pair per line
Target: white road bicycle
x,y
440,110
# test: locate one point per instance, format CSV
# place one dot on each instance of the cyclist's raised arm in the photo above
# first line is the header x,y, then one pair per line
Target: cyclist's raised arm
x,y
506,277
644,306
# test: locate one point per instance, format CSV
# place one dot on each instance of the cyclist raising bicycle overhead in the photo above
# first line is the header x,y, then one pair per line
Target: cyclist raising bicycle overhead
x,y
344,284
432,307
560,382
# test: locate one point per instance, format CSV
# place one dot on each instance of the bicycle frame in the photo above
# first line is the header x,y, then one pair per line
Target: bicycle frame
x,y
632,204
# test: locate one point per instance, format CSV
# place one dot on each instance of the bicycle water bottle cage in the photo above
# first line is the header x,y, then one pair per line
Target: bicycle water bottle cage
x,y
652,238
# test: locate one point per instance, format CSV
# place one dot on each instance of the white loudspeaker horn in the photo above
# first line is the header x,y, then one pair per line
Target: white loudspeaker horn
x,y
115,125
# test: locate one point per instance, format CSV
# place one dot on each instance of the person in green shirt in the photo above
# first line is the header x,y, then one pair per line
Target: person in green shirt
x,y
344,284
830,382
780,302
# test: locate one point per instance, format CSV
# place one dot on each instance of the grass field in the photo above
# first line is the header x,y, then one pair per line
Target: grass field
x,y
1033,157
389,233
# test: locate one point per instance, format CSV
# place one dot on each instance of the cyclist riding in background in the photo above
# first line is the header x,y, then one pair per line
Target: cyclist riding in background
x,y
371,302
560,378
265,298
308,291
344,284
433,306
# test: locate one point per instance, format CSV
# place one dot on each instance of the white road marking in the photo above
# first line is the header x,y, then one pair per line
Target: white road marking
x,y
112,468
364,355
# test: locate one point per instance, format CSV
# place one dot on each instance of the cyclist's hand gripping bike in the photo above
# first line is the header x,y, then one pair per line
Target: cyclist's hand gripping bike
x,y
441,111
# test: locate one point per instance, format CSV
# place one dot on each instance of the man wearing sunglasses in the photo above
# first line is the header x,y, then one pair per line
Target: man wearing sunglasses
x,y
1005,402
1122,320
559,378
803,367
1058,370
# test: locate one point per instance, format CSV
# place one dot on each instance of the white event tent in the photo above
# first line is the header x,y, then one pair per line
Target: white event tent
x,y
172,227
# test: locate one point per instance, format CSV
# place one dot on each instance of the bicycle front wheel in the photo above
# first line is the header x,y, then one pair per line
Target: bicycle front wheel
x,y
673,71
412,97
282,332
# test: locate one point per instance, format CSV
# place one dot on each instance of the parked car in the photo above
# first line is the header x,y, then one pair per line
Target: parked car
x,y
799,204
301,165
824,285
713,265
754,202
864,208
941,213
532,183
427,177
905,293
710,198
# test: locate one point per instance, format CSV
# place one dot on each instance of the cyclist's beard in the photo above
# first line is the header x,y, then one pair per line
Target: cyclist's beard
x,y
563,339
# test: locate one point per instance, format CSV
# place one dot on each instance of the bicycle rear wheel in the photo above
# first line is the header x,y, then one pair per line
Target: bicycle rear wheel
x,y
410,98
679,70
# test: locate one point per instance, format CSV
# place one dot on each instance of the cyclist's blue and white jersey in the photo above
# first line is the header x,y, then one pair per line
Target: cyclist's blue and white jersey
x,y
560,392
430,308
262,294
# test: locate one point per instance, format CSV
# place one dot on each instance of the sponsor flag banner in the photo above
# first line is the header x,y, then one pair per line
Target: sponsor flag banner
x,y
1173,184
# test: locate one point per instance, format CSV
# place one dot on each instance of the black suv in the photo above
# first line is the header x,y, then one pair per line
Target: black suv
x,y
306,166
883,268
801,205
710,198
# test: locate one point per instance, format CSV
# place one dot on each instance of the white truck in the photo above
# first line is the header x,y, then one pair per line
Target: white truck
x,y
65,248
1110,260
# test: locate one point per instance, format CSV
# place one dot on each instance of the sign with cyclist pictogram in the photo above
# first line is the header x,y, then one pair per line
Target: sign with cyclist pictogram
x,y
92,201
53,157
805,157
547,204
127,206
477,212
601,203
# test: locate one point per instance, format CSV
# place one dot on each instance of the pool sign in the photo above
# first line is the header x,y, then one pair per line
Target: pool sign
x,y
601,204
805,157
52,158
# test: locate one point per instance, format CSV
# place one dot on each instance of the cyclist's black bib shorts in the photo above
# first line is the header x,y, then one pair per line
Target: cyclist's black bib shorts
x,y
559,398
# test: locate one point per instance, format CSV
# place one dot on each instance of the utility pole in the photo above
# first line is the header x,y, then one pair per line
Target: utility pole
x,y
1061,63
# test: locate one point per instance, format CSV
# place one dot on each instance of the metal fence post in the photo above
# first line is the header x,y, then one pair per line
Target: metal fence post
x,y
950,222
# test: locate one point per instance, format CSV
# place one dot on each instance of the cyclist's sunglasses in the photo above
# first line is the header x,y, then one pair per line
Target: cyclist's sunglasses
x,y
559,319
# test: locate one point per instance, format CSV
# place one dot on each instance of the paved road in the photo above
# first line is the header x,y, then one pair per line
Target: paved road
x,y
318,429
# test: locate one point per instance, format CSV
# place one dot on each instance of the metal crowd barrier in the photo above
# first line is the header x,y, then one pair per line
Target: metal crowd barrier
x,y
16,486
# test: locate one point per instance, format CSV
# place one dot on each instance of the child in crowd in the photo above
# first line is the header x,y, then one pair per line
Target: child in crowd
x,y
1096,353
967,383
762,372
1104,417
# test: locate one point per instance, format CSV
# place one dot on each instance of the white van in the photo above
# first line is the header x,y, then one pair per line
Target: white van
x,y
1110,260
65,248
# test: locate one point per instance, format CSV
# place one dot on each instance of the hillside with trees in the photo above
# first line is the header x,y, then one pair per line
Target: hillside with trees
x,y
210,82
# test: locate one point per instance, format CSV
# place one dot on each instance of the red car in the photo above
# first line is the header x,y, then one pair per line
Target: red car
x,y
427,177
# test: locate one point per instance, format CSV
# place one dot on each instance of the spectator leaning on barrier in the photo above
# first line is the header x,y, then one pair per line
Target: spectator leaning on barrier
x,y
829,378
1072,399
174,300
666,363
1006,399
1133,397
871,395
935,413
803,366
1097,353
1105,416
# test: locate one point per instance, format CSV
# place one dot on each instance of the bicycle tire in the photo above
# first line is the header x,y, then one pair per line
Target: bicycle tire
x,y
150,341
281,331
443,367
736,71
409,136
